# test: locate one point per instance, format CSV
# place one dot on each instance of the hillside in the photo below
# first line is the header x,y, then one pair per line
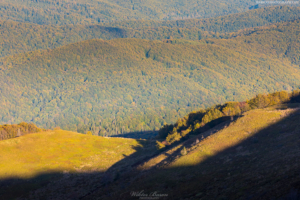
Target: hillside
x,y
20,37
131,85
255,156
90,12
199,121
47,156
149,99
222,24
274,38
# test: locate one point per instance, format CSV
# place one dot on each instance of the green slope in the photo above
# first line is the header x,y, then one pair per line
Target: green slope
x,y
126,85
19,37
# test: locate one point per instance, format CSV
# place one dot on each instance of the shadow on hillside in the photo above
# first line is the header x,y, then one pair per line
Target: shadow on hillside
x,y
264,166
72,185
200,134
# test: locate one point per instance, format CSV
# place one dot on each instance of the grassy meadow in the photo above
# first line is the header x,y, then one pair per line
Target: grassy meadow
x,y
59,157
61,151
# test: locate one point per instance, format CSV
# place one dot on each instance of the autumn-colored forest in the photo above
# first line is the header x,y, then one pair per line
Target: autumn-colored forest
x,y
204,119
90,12
182,91
131,85
20,37
89,72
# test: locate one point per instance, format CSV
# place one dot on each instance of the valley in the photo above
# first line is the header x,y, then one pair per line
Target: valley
x,y
149,99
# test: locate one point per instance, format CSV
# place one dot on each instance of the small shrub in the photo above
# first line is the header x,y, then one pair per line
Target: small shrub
x,y
89,133
159,145
173,137
183,151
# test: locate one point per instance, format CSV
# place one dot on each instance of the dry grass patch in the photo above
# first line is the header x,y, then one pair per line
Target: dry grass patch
x,y
59,150
245,127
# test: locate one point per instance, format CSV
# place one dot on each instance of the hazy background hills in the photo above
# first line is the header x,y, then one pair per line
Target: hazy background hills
x,y
95,11
20,37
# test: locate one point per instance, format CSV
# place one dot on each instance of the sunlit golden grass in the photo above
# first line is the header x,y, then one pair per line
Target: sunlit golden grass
x,y
250,123
59,150
256,154
243,128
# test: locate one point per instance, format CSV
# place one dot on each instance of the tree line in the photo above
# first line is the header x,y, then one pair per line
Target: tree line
x,y
194,122
16,130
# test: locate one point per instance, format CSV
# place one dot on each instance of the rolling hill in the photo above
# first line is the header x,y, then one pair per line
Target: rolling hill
x,y
255,156
227,23
274,39
89,12
252,155
49,156
20,37
149,99
132,85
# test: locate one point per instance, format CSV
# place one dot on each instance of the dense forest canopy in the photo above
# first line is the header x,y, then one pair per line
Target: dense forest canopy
x,y
115,67
228,23
125,85
20,37
281,39
95,11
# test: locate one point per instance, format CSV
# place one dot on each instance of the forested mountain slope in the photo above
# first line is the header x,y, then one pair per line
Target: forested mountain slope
x,y
20,37
221,24
281,39
125,85
94,11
